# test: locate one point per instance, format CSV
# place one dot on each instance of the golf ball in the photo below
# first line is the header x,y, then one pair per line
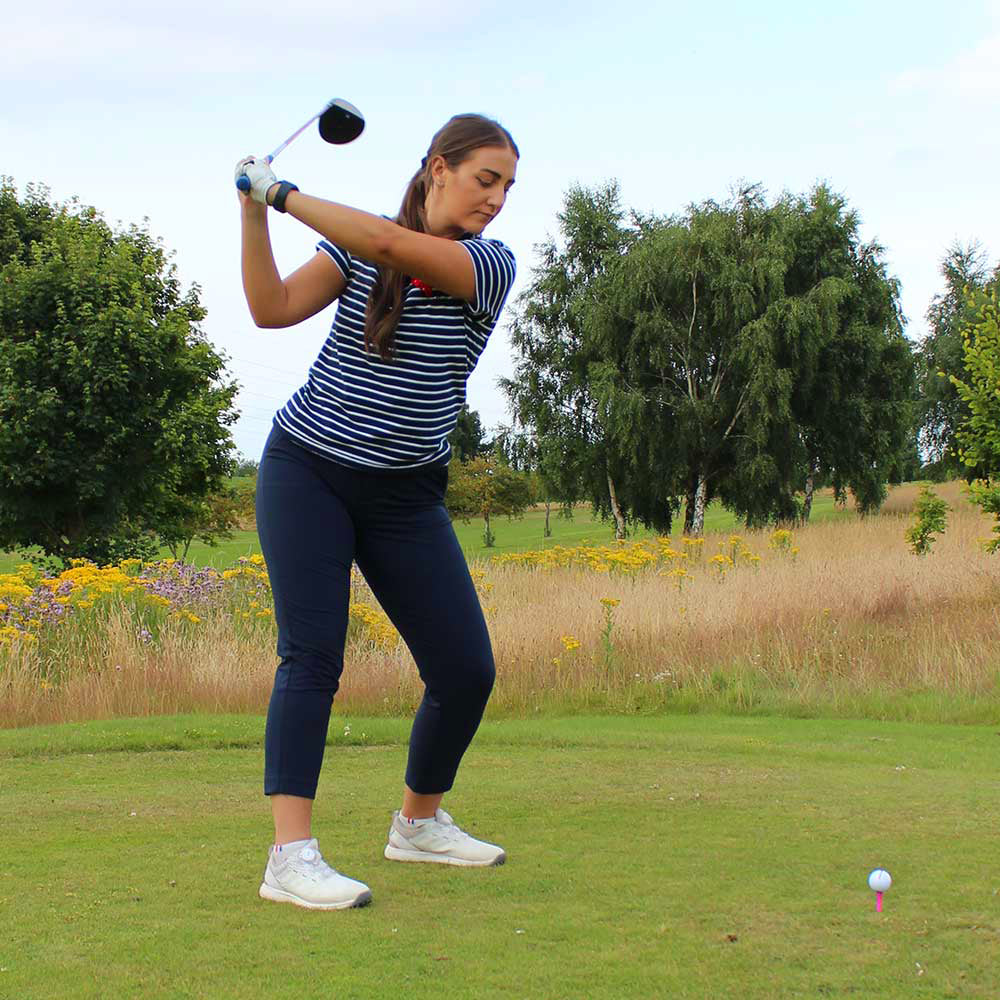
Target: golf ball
x,y
879,880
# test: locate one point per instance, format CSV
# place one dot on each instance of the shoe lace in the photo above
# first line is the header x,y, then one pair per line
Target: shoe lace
x,y
451,832
446,828
315,866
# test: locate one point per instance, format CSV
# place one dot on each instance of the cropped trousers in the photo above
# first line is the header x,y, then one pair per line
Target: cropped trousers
x,y
314,518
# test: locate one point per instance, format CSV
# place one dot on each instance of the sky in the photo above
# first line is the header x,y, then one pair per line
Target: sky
x,y
142,110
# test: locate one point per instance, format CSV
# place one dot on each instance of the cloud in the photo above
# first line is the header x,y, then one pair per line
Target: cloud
x,y
68,40
972,75
977,73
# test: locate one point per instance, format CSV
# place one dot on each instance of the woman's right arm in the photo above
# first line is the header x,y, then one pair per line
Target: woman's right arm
x,y
275,303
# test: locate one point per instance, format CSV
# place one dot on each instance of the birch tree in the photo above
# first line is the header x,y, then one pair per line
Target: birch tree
x,y
740,350
675,321
747,347
552,392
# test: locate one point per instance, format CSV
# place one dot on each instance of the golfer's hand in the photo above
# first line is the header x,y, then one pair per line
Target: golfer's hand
x,y
258,170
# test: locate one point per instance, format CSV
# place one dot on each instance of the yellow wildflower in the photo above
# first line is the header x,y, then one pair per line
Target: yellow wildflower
x,y
721,563
13,587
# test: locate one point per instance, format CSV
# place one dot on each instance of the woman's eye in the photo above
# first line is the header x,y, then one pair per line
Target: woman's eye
x,y
487,184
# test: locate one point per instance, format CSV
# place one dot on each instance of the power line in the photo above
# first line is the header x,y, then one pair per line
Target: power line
x,y
280,400
255,377
254,423
271,368
258,412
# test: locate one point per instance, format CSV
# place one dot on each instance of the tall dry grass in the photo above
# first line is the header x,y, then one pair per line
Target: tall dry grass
x,y
854,623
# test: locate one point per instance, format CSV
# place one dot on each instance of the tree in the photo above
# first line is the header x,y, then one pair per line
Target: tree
x,y
737,341
483,487
467,437
212,518
244,466
940,357
929,518
520,451
855,401
113,406
552,392
979,434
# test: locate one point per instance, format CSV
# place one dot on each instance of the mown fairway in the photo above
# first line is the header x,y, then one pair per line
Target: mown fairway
x,y
699,857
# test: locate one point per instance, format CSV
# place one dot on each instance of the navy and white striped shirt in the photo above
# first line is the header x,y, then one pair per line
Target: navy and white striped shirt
x,y
368,413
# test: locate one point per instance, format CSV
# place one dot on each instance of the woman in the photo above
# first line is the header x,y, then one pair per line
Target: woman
x,y
356,468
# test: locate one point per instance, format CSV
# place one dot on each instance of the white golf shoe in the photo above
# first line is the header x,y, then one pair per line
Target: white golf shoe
x,y
305,879
439,841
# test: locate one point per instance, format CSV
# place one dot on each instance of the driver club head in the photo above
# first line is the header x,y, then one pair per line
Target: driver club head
x,y
341,122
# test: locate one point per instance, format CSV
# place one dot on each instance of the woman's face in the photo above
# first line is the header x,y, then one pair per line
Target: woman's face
x,y
467,199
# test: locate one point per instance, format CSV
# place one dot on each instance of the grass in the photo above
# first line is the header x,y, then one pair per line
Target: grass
x,y
681,857
514,535
657,855
844,623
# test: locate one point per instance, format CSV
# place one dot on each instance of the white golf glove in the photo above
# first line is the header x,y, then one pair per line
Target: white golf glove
x,y
261,176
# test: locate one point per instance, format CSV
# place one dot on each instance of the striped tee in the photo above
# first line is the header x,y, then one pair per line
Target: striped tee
x,y
368,413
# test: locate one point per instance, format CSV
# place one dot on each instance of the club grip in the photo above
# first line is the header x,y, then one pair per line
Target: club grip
x,y
243,183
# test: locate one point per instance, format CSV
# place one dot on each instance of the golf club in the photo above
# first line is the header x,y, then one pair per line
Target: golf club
x,y
339,122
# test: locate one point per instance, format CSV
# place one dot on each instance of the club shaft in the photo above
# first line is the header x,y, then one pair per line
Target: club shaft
x,y
295,135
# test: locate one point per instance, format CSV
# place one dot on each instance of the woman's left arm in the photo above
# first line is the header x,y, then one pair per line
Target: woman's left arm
x,y
441,263
359,233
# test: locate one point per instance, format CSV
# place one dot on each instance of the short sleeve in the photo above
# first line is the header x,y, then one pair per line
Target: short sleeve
x,y
340,257
495,269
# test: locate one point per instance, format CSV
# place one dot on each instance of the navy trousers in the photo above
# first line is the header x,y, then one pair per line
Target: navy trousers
x,y
314,517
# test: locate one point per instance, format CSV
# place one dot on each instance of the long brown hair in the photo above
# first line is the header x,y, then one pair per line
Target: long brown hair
x,y
455,141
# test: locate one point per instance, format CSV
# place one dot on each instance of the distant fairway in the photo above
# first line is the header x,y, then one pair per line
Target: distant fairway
x,y
516,535
659,857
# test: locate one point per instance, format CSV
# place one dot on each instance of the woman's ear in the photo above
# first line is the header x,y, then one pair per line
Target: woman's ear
x,y
439,166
